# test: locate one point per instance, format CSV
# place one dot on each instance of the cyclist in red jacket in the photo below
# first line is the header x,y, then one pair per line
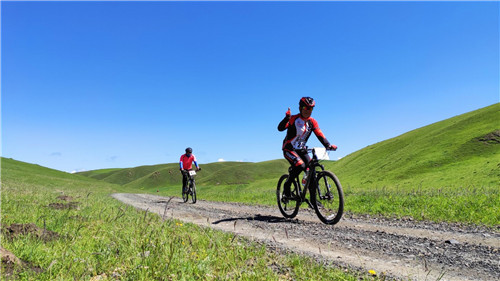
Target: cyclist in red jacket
x,y
186,164
299,127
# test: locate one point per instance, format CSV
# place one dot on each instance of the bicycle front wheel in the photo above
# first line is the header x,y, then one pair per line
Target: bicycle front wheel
x,y
328,198
184,196
288,207
193,190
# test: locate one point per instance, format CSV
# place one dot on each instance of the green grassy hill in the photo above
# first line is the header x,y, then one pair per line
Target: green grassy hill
x,y
449,170
220,173
461,151
22,173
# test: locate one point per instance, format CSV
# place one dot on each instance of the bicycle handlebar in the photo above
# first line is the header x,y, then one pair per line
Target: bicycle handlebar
x,y
312,149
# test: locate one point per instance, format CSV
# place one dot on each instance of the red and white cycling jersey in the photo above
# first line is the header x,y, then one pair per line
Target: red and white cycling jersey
x,y
299,131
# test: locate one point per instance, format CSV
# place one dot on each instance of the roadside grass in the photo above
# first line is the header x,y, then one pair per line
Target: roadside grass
x,y
94,237
470,205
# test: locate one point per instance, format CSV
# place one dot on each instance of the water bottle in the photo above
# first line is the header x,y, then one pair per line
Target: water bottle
x,y
304,179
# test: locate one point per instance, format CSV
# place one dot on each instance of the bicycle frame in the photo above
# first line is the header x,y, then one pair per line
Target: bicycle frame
x,y
310,177
190,179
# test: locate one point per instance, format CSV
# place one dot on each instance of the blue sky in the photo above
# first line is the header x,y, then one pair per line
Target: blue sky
x,y
90,85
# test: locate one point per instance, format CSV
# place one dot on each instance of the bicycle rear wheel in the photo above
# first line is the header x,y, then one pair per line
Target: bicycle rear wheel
x,y
193,190
288,207
328,198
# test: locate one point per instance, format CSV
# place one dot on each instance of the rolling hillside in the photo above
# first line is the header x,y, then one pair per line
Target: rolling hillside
x,y
220,173
17,173
460,151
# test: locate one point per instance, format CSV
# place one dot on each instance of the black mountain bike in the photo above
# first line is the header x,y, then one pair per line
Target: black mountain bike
x,y
326,195
190,186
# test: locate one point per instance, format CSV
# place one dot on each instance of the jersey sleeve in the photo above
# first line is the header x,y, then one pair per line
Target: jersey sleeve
x,y
283,124
194,161
319,134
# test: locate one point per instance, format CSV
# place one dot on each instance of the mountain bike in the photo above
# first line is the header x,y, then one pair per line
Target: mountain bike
x,y
190,187
326,195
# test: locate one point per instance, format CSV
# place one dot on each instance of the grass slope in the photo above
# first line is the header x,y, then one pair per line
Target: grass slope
x,y
449,170
460,151
31,174
220,173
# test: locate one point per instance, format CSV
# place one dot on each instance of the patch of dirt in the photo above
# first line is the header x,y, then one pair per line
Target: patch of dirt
x,y
396,249
9,262
491,138
17,229
12,264
65,198
62,206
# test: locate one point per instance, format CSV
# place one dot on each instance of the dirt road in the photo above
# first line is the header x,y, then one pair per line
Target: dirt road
x,y
401,249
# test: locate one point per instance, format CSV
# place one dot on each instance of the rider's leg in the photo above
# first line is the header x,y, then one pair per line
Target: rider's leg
x,y
298,166
184,181
294,172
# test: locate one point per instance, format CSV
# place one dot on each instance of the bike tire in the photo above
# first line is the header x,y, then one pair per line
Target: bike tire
x,y
193,190
290,208
328,198
185,196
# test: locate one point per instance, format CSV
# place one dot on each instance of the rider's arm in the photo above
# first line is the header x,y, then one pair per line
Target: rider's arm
x,y
284,123
181,165
194,161
319,134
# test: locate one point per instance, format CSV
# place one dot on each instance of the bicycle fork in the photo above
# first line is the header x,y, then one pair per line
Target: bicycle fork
x,y
328,195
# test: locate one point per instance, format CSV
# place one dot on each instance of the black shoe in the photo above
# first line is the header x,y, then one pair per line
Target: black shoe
x,y
287,194
286,191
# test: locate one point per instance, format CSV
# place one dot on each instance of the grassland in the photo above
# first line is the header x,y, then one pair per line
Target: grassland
x,y
73,230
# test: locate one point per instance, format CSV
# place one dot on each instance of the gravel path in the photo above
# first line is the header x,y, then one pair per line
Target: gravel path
x,y
400,249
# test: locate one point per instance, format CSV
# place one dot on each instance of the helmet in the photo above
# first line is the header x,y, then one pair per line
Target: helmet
x,y
189,150
307,101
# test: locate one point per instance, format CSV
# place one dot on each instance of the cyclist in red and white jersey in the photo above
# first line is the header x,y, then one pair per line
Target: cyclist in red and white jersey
x,y
299,128
186,164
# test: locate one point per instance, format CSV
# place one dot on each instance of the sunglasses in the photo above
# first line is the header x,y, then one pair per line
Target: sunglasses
x,y
307,107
